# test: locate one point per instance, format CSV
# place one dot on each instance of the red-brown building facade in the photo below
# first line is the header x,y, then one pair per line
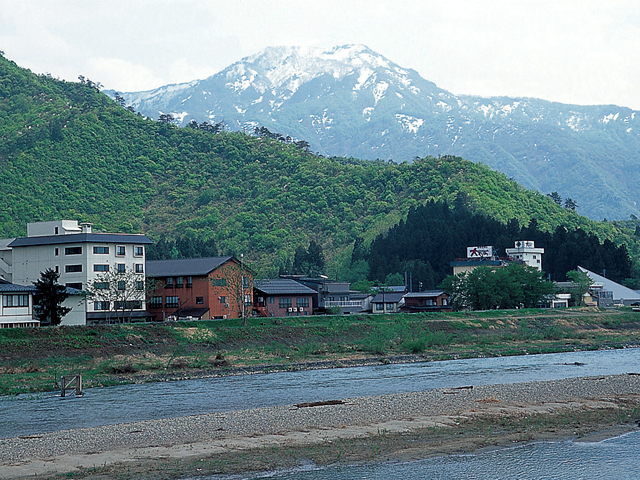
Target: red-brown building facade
x,y
282,297
199,288
428,301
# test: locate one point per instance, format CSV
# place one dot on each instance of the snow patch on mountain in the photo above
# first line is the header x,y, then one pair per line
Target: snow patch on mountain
x,y
379,90
611,116
366,113
409,123
179,117
365,74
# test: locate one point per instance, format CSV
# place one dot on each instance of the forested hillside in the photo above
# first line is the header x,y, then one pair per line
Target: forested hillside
x,y
350,100
434,234
68,151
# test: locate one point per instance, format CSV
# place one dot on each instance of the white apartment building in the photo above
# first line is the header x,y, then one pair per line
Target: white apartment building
x,y
526,251
82,257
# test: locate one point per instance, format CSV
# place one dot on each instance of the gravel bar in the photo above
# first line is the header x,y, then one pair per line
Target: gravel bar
x,y
358,411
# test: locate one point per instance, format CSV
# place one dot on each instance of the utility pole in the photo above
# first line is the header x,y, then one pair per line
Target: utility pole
x,y
242,284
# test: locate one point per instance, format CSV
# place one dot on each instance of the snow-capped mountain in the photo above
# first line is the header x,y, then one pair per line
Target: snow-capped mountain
x,y
351,101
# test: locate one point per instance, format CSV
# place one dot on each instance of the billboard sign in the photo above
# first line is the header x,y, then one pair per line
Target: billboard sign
x,y
479,252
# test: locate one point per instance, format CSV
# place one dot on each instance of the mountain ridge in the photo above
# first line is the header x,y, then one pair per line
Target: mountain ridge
x,y
70,152
350,101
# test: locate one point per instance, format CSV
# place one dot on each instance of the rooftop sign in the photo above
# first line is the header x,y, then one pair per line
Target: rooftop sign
x,y
479,252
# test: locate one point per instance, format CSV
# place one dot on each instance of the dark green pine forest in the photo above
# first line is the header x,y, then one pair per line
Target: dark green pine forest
x,y
435,233
67,151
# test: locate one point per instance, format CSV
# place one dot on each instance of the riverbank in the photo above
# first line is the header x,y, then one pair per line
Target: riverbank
x,y
33,360
363,429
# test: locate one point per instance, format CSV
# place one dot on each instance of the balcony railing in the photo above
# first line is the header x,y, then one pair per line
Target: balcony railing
x,y
342,303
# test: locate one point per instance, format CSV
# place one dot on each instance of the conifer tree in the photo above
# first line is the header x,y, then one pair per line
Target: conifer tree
x,y
47,301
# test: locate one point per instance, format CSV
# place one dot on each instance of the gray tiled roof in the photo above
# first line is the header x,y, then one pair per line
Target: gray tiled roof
x,y
391,297
81,238
425,294
282,286
13,288
183,266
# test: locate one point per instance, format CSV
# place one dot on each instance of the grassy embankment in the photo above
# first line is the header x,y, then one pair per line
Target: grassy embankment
x,y
33,359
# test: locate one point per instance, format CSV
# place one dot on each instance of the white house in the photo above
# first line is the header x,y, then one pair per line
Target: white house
x,y
16,305
526,251
80,257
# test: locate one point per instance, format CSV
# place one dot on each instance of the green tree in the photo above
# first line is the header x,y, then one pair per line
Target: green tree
x,y
485,288
581,284
555,196
47,301
122,292
309,261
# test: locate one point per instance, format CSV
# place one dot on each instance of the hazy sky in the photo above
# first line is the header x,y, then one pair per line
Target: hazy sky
x,y
572,51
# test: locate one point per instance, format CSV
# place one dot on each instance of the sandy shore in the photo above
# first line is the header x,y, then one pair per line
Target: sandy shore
x,y
401,426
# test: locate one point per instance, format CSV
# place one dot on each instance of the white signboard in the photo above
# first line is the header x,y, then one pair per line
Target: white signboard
x,y
524,244
479,252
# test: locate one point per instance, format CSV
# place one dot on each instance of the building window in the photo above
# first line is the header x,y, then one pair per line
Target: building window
x,y
155,302
139,268
55,229
179,282
219,282
302,302
100,268
56,252
379,307
223,300
169,282
121,268
57,269
101,305
128,305
73,251
172,301
247,299
245,282
284,302
72,268
101,285
15,300
389,306
122,285
189,282
199,300
77,286
139,285
270,299
138,251
121,250
101,250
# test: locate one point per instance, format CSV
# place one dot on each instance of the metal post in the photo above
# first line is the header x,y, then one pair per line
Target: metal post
x,y
62,386
79,385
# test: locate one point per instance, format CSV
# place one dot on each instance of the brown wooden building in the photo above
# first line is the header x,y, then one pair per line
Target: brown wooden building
x,y
199,288
282,297
427,301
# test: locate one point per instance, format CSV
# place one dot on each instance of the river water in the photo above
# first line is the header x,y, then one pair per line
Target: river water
x,y
42,413
615,458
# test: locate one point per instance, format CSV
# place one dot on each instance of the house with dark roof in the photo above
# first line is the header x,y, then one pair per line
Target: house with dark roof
x,y
329,294
199,288
387,302
282,297
16,306
427,301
